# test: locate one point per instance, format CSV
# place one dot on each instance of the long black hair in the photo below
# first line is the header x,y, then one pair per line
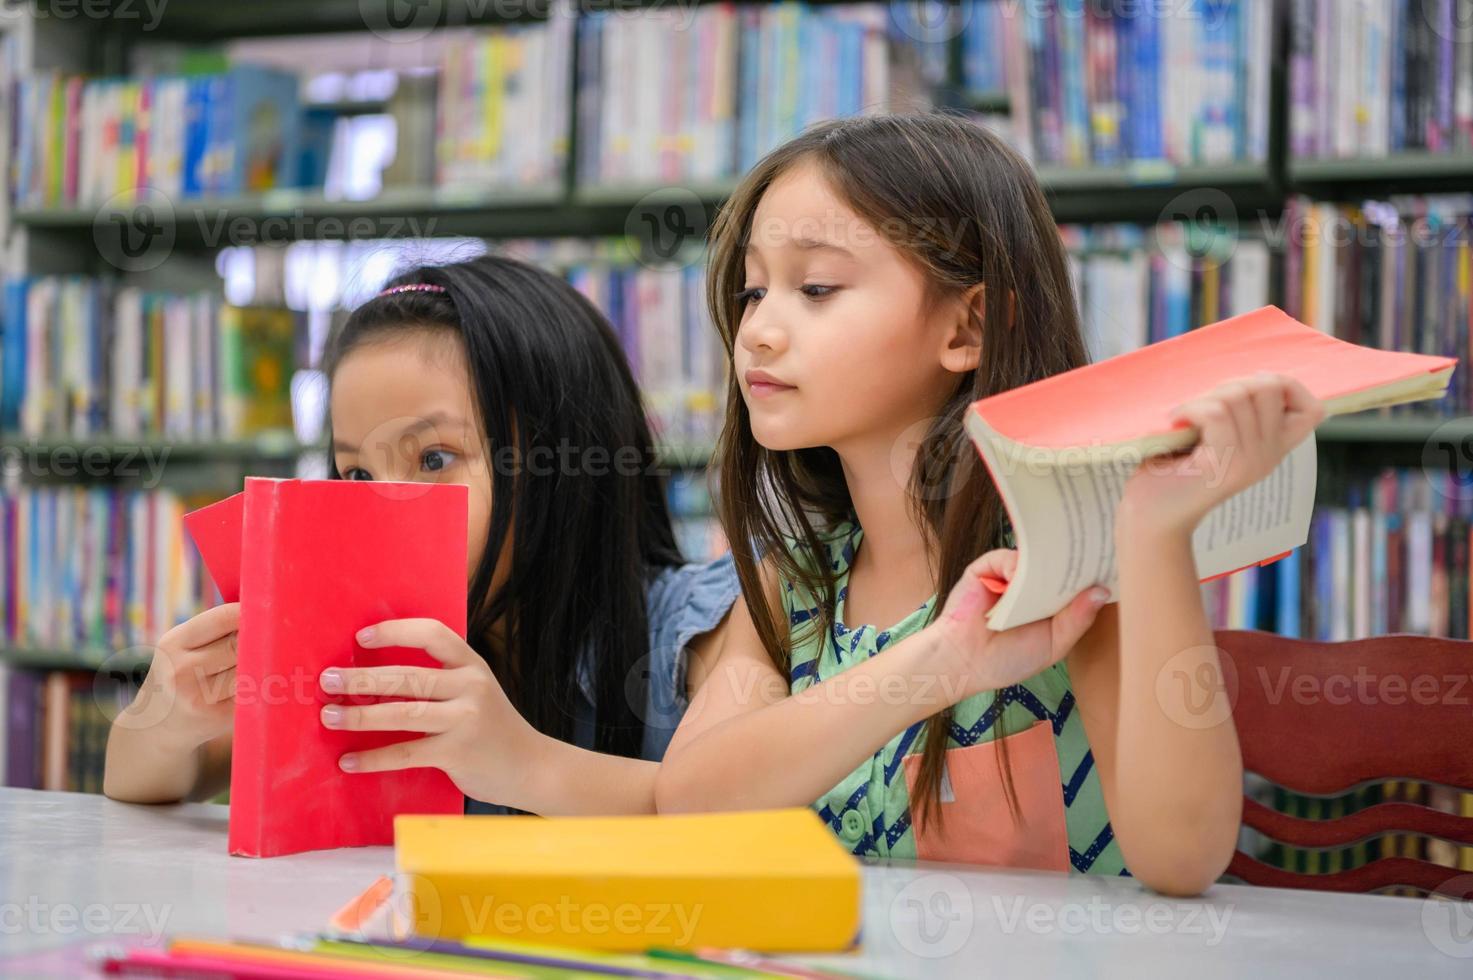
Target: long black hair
x,y
547,371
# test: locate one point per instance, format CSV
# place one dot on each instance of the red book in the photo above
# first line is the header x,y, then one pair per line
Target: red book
x,y
312,562
1061,449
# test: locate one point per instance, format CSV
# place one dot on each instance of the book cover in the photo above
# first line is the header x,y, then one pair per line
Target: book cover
x,y
707,879
318,560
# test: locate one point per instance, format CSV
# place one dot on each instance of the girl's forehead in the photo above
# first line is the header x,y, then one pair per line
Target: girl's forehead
x,y
802,214
390,388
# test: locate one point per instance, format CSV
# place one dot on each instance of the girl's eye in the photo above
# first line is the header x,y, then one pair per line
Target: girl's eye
x,y
357,473
815,291
749,296
436,459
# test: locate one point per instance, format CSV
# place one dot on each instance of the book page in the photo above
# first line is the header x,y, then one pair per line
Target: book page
x,y
1064,518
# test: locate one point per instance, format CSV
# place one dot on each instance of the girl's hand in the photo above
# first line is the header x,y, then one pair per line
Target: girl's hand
x,y
1246,426
472,731
988,660
188,696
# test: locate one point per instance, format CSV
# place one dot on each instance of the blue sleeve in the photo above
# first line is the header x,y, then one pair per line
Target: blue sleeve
x,y
684,603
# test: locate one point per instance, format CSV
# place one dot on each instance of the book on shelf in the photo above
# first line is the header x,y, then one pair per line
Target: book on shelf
x,y
504,105
1371,78
1185,84
1387,552
86,141
96,568
415,109
1061,449
54,726
1390,274
1138,285
84,358
656,103
984,58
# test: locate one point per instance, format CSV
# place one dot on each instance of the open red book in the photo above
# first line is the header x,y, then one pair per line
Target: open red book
x,y
312,562
1060,450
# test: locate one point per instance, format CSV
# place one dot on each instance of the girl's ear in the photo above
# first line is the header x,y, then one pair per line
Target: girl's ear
x,y
962,342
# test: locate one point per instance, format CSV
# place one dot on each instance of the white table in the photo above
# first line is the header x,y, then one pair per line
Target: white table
x,y
76,867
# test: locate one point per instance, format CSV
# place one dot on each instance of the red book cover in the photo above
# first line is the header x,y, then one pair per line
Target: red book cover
x,y
313,562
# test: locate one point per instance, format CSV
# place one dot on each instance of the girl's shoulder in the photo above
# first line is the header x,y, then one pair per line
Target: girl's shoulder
x,y
692,597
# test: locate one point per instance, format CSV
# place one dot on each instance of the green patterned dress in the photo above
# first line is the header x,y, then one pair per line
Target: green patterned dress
x,y
870,809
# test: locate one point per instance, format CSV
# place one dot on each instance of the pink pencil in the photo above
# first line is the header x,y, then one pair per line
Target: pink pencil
x,y
150,962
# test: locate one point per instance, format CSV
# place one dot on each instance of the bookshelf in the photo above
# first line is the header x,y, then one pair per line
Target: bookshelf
x,y
122,662
263,447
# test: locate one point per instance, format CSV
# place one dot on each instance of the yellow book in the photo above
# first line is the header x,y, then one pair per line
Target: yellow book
x,y
1211,276
774,880
1309,300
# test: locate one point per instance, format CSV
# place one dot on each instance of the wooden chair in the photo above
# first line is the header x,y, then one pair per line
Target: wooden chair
x,y
1324,718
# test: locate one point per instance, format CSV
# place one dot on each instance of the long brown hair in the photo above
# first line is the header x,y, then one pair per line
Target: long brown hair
x,y
967,209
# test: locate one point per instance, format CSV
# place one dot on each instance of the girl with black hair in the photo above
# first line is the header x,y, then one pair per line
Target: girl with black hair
x,y
500,376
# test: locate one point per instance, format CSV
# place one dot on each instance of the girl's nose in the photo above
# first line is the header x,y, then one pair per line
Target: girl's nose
x,y
763,330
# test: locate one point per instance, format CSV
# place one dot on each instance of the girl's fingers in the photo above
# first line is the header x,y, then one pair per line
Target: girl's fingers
x,y
429,635
1267,392
214,657
417,683
206,627
218,687
411,754
1303,411
390,716
1239,403
1213,422
998,563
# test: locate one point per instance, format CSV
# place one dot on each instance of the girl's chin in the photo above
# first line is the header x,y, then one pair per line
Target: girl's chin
x,y
780,440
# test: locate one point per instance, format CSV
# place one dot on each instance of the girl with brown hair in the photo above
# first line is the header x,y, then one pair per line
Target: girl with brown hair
x,y
871,279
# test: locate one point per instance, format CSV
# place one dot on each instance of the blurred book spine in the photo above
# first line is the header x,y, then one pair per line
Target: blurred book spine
x,y
54,726
1394,275
701,94
90,141
83,358
94,568
1370,78
1090,84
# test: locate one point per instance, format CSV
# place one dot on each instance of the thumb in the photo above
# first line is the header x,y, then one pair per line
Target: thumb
x,y
1069,624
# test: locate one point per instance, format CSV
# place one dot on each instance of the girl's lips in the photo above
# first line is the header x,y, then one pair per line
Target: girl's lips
x,y
766,389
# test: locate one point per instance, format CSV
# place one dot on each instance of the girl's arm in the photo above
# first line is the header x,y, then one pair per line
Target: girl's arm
x,y
477,737
745,743
1147,677
143,769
